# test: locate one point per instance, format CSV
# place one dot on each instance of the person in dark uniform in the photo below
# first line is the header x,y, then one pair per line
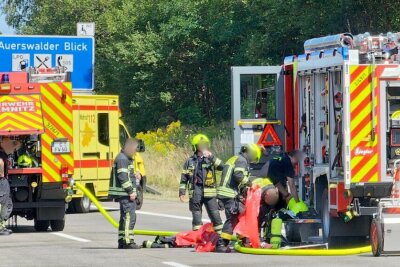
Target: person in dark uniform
x,y
199,178
282,174
235,179
123,188
8,146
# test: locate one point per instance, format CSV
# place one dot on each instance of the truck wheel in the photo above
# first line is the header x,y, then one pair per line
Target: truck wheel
x,y
82,204
327,222
57,225
376,238
41,226
139,197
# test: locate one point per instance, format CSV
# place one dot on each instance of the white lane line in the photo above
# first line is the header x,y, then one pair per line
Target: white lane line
x,y
168,216
175,264
71,237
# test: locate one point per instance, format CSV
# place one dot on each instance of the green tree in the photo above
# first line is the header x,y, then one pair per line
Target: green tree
x,y
170,59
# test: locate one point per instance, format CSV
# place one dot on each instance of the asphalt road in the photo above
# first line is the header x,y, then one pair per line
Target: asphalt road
x,y
89,240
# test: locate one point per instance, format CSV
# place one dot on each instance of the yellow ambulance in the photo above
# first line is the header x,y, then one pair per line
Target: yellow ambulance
x,y
98,133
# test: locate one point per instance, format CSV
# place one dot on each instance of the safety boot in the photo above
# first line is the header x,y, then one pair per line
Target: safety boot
x,y
222,246
132,245
4,230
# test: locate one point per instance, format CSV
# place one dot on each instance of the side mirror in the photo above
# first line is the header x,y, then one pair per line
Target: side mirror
x,y
141,146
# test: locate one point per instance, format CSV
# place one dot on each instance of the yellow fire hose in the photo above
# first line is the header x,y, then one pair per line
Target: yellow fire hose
x,y
111,219
303,252
238,247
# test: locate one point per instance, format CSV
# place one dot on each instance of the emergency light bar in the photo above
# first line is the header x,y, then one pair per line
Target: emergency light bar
x,y
328,42
46,75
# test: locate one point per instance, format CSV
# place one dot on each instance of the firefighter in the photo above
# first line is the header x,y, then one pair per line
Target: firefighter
x,y
198,176
123,188
8,146
281,172
234,181
268,202
5,199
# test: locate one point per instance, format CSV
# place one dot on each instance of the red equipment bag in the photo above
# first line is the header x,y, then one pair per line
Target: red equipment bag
x,y
204,239
248,220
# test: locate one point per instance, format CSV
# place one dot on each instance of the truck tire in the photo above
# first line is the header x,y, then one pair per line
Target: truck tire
x,y
327,222
57,225
139,197
41,226
82,204
340,238
376,238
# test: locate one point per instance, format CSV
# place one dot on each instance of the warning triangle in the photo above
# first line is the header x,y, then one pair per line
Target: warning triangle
x,y
269,137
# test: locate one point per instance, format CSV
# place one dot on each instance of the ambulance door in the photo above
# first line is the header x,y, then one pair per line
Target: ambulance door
x,y
114,131
87,146
103,145
257,94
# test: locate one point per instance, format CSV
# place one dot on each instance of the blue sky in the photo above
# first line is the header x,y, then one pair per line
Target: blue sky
x,y
4,28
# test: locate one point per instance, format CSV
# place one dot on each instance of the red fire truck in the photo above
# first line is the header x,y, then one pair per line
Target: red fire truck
x,y
339,102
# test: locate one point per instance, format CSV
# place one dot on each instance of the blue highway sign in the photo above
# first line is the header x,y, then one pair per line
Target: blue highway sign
x,y
76,54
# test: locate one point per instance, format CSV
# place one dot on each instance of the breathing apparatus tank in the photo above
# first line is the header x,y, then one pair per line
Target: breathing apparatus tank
x,y
276,233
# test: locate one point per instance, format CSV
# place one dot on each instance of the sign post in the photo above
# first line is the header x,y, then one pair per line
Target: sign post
x,y
74,54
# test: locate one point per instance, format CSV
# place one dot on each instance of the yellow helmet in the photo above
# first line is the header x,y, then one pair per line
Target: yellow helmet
x,y
24,161
199,139
254,152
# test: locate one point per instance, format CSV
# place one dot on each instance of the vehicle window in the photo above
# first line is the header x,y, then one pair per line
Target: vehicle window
x,y
103,129
123,135
265,104
257,96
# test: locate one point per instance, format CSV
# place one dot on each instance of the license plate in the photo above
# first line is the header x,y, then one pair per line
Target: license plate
x,y
63,147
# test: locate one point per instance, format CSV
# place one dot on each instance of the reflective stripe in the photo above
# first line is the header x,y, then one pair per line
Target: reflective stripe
x,y
217,162
127,184
244,180
218,227
224,190
196,227
227,177
182,186
239,169
122,170
227,192
185,172
210,192
116,191
127,223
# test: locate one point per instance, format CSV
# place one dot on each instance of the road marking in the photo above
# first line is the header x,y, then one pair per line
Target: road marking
x,y
71,237
93,207
175,264
168,216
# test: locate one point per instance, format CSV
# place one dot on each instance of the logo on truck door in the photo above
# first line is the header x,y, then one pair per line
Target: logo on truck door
x,y
363,151
88,134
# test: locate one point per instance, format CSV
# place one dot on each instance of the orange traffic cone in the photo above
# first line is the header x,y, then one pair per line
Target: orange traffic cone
x,y
395,191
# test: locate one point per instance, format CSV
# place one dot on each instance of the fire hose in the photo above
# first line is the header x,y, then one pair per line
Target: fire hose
x,y
111,219
238,246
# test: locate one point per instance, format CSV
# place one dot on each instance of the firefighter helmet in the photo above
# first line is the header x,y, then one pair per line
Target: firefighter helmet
x,y
24,161
199,139
253,151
